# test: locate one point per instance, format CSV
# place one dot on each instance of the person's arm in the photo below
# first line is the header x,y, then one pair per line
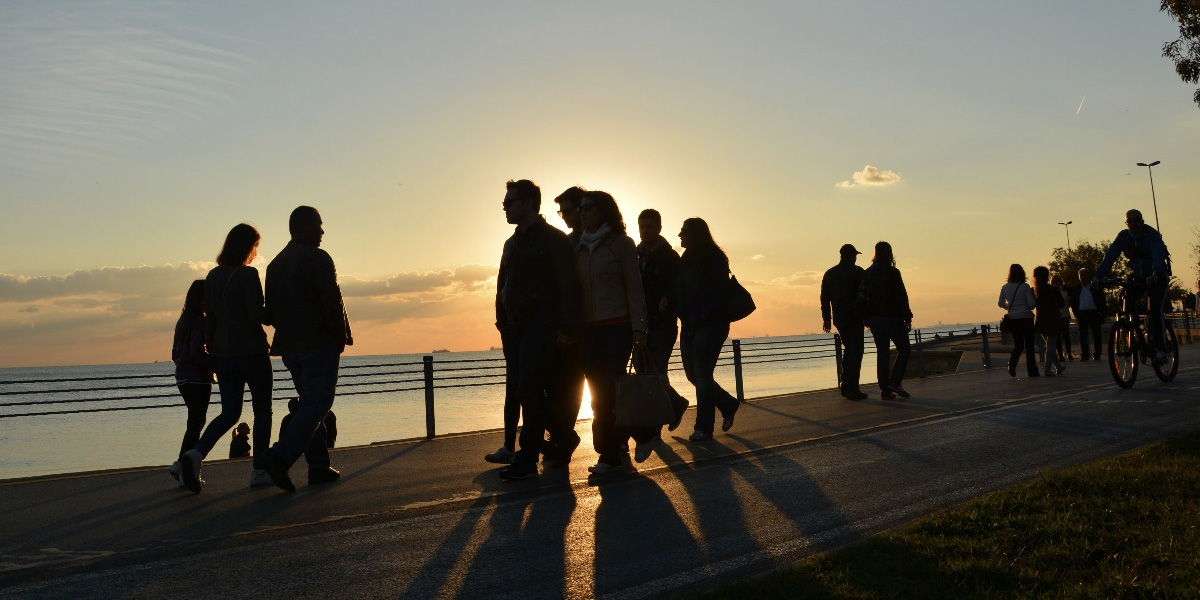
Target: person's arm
x,y
826,310
1004,301
1158,253
329,295
255,301
635,295
562,265
1110,256
1030,299
902,296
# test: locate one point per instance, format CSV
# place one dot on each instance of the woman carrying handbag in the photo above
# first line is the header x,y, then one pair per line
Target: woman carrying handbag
x,y
1017,298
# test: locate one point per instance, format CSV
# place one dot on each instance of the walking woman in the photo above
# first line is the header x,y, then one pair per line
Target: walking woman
x,y
1049,320
1017,298
234,301
890,319
703,288
614,321
193,369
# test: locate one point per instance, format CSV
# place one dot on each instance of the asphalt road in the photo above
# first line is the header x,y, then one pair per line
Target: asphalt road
x,y
797,474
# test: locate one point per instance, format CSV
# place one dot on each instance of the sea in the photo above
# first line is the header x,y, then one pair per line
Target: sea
x,y
68,419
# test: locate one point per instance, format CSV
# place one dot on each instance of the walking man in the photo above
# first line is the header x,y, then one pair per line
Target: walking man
x,y
1088,303
311,331
839,288
536,312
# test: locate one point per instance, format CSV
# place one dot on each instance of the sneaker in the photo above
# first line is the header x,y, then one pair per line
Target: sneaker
x,y
174,470
1161,358
321,475
855,395
1012,369
561,455
502,456
899,390
887,394
1049,372
1059,368
643,450
699,435
727,422
680,404
277,469
189,471
521,470
259,478
604,467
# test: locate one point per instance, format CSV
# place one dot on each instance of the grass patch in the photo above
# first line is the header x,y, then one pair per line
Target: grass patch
x,y
1123,527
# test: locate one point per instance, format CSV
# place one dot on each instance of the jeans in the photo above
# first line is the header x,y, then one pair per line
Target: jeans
x,y
1064,340
1089,326
314,373
604,350
700,348
1155,324
566,393
660,343
234,375
853,338
1049,351
196,396
1022,332
528,356
885,330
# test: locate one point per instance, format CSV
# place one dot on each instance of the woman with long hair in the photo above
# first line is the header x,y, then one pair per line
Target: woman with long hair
x,y
703,287
890,319
614,321
1017,298
193,369
1049,320
233,297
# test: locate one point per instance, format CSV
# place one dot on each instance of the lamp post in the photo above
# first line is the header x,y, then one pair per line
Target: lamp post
x,y
1067,226
1150,169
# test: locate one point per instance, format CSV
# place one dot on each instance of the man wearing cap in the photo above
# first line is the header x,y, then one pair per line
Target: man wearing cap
x,y
839,287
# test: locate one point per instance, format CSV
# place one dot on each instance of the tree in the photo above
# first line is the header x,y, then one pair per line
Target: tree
x,y
1185,51
1196,253
1082,254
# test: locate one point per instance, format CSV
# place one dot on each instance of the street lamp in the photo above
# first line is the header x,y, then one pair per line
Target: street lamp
x,y
1150,169
1067,225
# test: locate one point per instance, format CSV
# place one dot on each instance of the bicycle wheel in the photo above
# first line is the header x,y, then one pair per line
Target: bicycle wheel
x,y
1123,354
1167,370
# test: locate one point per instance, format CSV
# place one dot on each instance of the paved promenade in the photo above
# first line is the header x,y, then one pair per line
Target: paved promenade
x,y
417,519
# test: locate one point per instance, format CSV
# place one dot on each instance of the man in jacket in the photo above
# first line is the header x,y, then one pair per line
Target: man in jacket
x,y
1143,247
536,309
311,332
1087,301
839,287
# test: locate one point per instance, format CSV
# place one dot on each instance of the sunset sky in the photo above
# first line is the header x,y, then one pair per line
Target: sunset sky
x,y
133,135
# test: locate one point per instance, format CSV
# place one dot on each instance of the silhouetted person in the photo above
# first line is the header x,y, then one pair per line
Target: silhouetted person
x,y
193,369
566,385
1148,263
890,319
613,314
703,288
535,313
839,288
660,270
239,446
1088,302
1063,348
311,332
1048,323
233,300
1016,297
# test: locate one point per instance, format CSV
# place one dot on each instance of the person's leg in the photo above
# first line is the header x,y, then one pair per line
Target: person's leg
x,y
314,373
231,380
1095,324
709,341
899,337
705,410
1065,339
1082,320
1027,339
260,379
603,411
1014,357
536,356
196,397
1156,326
882,350
616,342
316,454
660,343
510,340
853,340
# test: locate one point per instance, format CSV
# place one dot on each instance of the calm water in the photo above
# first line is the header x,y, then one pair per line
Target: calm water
x,y
369,407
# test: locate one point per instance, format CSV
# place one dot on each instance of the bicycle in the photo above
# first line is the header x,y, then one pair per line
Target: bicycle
x,y
1129,340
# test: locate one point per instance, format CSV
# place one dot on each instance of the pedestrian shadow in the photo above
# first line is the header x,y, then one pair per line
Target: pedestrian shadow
x,y
835,430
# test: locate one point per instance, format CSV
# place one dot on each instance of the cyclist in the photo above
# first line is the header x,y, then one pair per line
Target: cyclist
x,y
1148,260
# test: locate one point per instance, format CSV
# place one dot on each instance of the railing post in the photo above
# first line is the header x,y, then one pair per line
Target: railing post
x,y
737,368
429,423
920,354
986,330
837,352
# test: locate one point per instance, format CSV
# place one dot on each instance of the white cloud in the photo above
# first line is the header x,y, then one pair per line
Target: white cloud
x,y
871,177
758,257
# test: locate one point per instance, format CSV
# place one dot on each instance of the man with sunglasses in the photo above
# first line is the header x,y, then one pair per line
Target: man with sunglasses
x,y
1149,263
536,311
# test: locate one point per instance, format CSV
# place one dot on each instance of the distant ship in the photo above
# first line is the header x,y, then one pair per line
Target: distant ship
x,y
442,350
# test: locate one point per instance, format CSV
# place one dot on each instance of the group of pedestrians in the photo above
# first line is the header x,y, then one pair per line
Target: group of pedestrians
x,y
853,298
584,306
1042,310
221,332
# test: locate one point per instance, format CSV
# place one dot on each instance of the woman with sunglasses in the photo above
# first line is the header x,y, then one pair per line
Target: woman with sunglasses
x,y
614,321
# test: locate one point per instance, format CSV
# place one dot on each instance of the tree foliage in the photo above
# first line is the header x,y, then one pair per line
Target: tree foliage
x,y
1082,254
1185,51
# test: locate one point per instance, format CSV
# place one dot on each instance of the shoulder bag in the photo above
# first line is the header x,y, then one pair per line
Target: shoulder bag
x,y
646,400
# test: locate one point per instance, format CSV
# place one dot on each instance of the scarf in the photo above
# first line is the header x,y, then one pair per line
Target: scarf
x,y
592,239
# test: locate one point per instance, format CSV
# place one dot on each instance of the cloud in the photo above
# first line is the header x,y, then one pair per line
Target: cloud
x,y
796,280
28,309
461,279
758,257
871,177
167,281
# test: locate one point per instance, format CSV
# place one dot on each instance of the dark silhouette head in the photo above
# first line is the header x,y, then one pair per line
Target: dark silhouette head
x,y
240,246
1085,276
603,202
1016,273
193,303
1133,220
526,191
305,225
568,205
883,254
649,224
1041,275
697,241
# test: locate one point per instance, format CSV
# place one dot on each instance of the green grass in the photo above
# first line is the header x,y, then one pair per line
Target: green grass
x,y
1124,527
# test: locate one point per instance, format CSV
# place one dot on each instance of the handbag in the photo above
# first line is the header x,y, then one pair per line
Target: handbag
x,y
645,400
740,304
